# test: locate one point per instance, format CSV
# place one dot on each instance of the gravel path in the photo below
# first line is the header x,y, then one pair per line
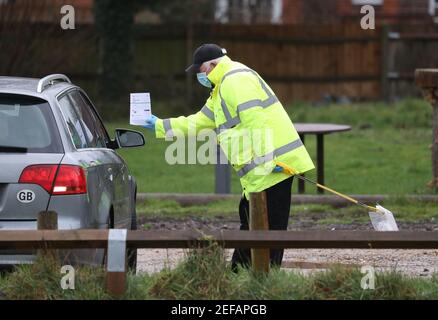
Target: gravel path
x,y
409,262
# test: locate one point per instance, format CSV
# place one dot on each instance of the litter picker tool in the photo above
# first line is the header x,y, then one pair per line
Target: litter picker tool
x,y
381,218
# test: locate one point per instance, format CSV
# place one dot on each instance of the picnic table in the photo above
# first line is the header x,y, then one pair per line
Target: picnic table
x,y
223,171
318,129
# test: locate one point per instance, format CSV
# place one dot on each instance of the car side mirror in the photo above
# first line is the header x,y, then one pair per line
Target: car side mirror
x,y
129,138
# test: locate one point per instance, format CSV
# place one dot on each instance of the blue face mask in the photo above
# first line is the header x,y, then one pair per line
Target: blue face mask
x,y
203,79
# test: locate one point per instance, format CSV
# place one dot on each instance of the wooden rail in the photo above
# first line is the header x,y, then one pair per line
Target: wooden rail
x,y
78,239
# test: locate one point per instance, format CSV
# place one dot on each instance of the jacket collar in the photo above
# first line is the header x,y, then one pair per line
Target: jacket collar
x,y
216,75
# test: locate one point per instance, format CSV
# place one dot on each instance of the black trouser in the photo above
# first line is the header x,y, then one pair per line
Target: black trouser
x,y
278,200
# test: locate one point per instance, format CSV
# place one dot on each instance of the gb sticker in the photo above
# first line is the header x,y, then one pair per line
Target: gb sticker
x,y
25,196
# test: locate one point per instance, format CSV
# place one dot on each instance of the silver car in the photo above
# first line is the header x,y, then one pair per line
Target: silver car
x,y
56,155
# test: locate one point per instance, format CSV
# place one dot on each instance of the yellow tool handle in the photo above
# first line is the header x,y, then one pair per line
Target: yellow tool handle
x,y
344,196
293,172
286,168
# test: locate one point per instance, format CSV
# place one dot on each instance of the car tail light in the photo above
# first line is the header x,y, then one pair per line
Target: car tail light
x,y
68,180
42,175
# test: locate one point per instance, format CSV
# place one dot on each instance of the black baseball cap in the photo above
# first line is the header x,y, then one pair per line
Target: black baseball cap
x,y
204,53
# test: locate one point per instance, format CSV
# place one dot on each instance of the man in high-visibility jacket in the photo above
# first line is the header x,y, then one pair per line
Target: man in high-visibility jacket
x,y
253,130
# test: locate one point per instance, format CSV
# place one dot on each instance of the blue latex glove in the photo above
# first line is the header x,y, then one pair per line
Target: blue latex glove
x,y
150,123
278,169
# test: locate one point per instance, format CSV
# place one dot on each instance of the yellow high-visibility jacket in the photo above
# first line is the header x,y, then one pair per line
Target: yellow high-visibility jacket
x,y
252,127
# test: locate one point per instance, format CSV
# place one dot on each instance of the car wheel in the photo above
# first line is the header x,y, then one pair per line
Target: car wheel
x,y
132,252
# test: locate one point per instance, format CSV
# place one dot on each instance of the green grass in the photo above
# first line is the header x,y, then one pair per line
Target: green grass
x,y
404,210
42,281
205,274
387,152
172,209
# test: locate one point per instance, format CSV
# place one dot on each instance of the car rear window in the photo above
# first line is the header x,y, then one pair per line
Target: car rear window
x,y
28,122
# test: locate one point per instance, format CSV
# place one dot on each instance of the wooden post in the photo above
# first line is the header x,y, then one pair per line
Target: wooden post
x,y
384,82
115,283
190,35
427,80
258,220
116,262
47,220
320,161
301,184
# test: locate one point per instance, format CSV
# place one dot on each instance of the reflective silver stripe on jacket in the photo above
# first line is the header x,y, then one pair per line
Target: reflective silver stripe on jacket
x,y
269,157
231,122
225,108
167,128
207,112
257,103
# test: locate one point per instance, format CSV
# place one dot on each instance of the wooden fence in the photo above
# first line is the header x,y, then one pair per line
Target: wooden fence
x,y
300,62
74,239
259,239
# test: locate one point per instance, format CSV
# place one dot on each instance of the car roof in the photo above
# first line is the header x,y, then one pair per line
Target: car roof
x,y
28,86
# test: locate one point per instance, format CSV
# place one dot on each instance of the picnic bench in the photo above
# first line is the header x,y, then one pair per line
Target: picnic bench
x,y
320,130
